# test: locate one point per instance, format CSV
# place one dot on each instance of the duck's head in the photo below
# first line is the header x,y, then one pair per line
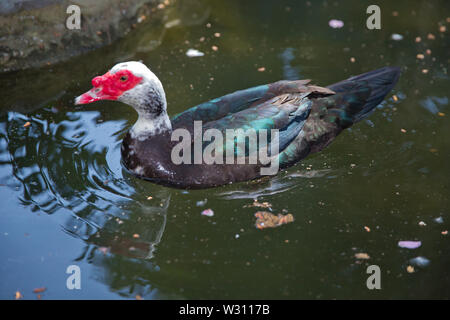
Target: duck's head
x,y
131,83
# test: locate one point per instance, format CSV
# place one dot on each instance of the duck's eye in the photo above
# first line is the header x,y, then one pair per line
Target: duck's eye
x,y
123,78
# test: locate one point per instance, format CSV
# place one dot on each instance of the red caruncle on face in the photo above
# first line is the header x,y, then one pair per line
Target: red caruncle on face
x,y
109,86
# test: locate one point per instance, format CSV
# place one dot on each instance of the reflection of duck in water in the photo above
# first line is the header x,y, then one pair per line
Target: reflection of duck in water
x,y
66,165
122,249
307,118
133,233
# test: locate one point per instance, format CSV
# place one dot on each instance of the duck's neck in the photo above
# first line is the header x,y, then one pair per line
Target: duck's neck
x,y
153,118
149,126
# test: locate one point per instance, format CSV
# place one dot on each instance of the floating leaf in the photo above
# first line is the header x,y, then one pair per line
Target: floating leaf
x,y
208,213
362,255
259,204
409,244
336,24
420,261
396,37
39,290
103,250
265,219
18,295
438,220
191,53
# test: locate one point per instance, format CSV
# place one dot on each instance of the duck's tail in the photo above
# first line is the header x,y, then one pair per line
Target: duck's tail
x,y
358,96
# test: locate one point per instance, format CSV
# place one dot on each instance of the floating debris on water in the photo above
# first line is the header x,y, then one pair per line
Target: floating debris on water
x,y
438,220
336,24
410,269
201,203
208,213
422,224
409,244
444,233
172,23
362,255
262,69
420,261
367,228
258,204
191,53
39,290
396,37
27,124
103,250
139,20
266,219
215,48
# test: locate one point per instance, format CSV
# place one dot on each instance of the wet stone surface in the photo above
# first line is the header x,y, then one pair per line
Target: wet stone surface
x,y
34,33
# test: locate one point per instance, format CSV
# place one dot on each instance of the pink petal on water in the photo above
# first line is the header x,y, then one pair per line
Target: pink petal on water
x,y
336,24
208,213
409,244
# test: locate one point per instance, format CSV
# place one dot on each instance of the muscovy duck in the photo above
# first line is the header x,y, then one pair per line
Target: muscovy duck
x,y
306,117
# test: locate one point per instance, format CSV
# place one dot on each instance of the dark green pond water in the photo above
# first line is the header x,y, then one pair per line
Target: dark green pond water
x,y
67,201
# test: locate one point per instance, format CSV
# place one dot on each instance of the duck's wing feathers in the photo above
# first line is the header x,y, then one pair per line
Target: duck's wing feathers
x,y
242,100
250,130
